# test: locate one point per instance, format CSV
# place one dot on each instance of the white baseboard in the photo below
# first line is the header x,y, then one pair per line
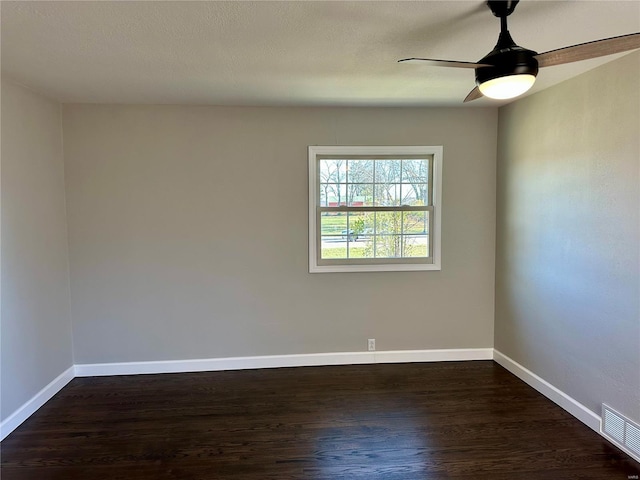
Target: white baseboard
x,y
554,394
276,361
12,422
443,355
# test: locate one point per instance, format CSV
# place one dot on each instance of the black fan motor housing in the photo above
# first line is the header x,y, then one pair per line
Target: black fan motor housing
x,y
512,60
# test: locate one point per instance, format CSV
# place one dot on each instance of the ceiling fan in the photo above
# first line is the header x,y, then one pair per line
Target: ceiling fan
x,y
510,70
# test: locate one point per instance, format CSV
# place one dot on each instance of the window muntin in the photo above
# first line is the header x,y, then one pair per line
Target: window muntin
x,y
374,208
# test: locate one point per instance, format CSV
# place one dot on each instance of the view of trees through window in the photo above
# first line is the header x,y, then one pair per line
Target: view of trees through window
x,y
374,207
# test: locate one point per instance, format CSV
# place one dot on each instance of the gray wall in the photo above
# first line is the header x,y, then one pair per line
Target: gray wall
x,y
568,235
188,234
36,324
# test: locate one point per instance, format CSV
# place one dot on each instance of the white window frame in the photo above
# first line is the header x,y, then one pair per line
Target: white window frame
x,y
348,265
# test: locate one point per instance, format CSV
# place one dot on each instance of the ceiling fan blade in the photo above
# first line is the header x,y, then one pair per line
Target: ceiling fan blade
x,y
473,95
443,63
585,51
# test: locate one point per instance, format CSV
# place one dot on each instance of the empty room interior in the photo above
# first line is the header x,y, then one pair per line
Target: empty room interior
x,y
242,240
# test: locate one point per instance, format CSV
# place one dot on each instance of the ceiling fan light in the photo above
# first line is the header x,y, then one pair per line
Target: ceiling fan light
x,y
509,86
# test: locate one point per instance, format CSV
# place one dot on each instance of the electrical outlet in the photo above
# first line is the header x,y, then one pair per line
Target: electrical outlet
x,y
372,344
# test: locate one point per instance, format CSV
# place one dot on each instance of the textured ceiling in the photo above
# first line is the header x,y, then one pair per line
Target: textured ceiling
x,y
282,53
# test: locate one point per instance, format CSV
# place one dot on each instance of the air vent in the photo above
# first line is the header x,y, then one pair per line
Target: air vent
x,y
632,438
621,431
613,424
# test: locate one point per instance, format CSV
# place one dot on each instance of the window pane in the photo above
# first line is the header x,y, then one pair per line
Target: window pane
x,y
333,247
360,171
360,228
415,171
415,194
415,246
415,223
340,241
356,224
360,194
388,223
388,246
408,194
387,195
331,227
333,171
369,225
333,223
388,226
360,250
333,194
388,171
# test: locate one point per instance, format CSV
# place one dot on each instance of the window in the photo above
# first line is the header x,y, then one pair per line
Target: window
x,y
374,208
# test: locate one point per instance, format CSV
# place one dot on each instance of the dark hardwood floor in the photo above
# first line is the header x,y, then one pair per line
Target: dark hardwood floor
x,y
458,420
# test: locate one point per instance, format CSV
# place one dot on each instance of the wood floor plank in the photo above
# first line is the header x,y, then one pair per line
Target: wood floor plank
x,y
454,420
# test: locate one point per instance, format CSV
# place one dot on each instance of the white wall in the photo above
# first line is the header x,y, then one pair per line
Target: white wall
x,y
188,234
568,235
36,324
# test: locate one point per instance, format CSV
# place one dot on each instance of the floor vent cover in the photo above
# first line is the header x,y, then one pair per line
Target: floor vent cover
x,y
621,431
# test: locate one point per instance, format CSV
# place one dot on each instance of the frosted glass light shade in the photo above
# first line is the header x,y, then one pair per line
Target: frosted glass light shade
x,y
507,87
